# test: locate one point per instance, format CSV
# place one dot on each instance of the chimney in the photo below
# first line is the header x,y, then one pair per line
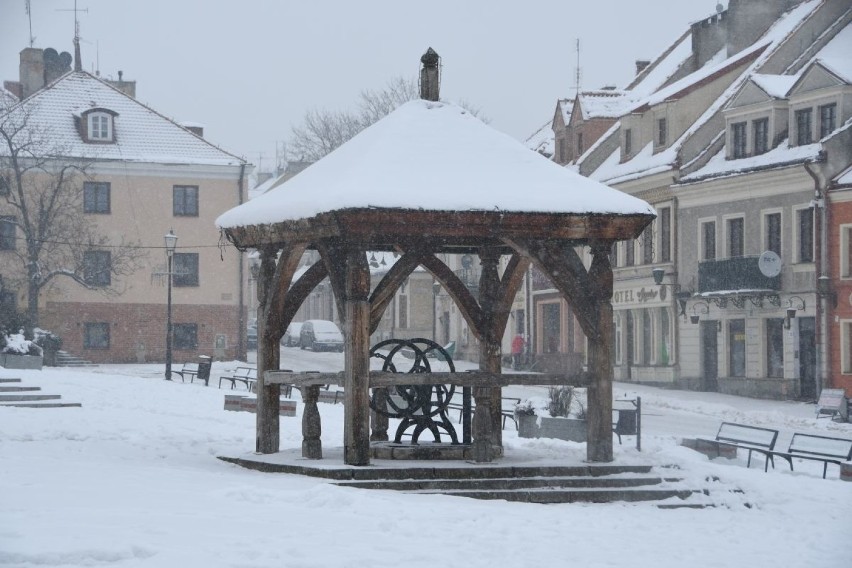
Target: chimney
x,y
126,87
641,65
194,127
430,76
31,71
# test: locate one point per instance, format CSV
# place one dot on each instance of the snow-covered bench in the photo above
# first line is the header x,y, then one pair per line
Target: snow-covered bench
x,y
751,438
188,371
817,448
245,375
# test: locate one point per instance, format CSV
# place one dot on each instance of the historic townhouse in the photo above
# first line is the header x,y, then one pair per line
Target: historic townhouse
x,y
659,150
147,175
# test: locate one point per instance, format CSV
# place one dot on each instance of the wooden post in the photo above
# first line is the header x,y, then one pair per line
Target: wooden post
x,y
311,425
379,420
489,360
356,395
268,354
599,411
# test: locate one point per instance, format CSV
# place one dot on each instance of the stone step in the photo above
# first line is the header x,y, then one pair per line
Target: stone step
x,y
10,380
65,359
28,397
510,483
42,404
573,495
18,389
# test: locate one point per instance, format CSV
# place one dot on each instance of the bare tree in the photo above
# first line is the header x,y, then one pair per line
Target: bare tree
x,y
42,197
322,130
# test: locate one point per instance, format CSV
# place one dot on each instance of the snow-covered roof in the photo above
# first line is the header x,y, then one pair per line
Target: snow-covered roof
x,y
776,86
433,156
542,141
566,107
141,133
662,67
845,177
783,154
646,162
604,103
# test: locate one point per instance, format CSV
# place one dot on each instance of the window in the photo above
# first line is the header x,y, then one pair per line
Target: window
x,y
738,140
629,253
662,130
185,269
806,235
665,234
403,311
628,142
735,237
97,336
773,232
846,347
648,244
97,267
616,338
579,144
708,240
665,337
551,327
613,255
185,335
737,352
4,186
775,347
761,135
827,119
96,197
185,202
100,127
647,337
7,233
803,127
846,251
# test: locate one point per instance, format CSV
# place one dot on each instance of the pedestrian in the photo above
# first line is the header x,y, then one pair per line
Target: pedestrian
x,y
517,351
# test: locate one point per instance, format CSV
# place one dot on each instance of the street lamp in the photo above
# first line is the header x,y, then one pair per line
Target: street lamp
x,y
171,242
436,289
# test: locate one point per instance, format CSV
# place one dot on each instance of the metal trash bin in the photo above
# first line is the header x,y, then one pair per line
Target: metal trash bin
x,y
205,363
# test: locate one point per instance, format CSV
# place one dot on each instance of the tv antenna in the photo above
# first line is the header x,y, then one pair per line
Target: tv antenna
x,y
577,77
30,18
78,65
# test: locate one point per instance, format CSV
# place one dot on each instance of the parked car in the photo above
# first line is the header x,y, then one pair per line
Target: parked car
x,y
291,336
321,335
251,335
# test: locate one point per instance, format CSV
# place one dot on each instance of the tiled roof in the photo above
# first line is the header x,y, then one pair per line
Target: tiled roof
x,y
141,133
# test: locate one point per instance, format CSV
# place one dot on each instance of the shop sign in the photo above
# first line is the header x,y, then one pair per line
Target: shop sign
x,y
637,296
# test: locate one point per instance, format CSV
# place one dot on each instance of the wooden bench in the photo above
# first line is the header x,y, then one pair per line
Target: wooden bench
x,y
507,409
817,448
245,375
751,438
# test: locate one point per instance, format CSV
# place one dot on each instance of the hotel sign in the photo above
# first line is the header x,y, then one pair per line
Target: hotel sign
x,y
638,296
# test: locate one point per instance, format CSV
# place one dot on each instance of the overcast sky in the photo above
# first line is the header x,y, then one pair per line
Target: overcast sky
x,y
249,69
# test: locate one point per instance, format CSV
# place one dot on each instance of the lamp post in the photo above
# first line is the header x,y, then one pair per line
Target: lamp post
x,y
171,242
436,289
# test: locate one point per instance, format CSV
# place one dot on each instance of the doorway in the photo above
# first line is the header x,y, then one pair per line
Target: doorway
x,y
709,356
807,358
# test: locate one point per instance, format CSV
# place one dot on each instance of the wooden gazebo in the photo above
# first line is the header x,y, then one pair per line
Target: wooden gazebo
x,y
427,179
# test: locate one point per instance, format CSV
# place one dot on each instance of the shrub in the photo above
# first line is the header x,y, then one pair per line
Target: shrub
x,y
17,344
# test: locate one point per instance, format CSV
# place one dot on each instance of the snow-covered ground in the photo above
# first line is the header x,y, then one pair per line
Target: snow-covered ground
x,y
132,479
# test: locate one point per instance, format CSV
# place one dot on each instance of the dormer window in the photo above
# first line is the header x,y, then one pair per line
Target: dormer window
x,y
98,125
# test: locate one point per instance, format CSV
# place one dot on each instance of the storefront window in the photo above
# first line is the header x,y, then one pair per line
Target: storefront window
x,y
551,327
665,337
647,337
736,341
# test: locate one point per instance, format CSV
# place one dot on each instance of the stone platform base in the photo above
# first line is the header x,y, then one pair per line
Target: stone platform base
x,y
424,451
710,448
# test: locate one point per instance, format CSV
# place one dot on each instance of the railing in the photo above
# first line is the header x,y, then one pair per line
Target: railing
x,y
740,273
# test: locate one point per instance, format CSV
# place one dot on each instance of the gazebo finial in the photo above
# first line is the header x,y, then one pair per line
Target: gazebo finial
x,y
430,76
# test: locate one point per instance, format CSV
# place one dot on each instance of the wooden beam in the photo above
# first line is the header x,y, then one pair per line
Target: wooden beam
x,y
288,263
460,293
333,255
382,379
510,283
599,403
300,290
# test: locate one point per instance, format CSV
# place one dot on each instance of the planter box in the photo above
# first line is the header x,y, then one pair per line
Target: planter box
x,y
570,429
20,361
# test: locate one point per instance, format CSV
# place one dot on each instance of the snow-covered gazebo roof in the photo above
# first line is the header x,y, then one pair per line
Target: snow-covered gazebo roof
x,y
425,160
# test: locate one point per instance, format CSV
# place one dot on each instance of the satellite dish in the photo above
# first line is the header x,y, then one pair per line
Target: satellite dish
x,y
769,264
